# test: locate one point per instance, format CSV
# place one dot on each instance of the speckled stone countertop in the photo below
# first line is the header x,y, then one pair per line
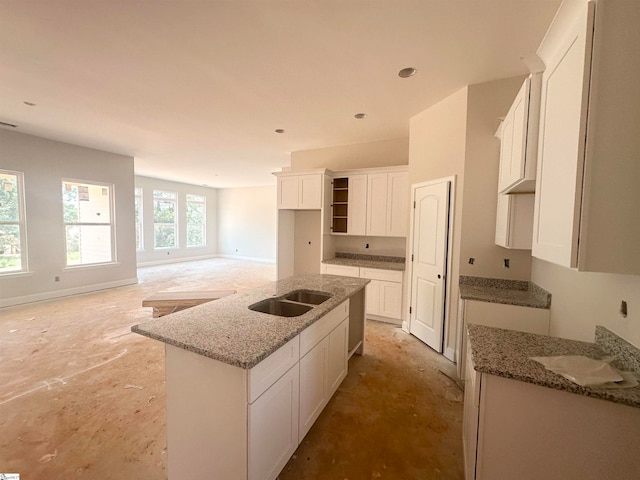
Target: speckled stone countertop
x,y
506,353
368,261
226,330
510,292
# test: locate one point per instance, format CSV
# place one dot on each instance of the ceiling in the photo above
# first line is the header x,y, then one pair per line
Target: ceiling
x,y
195,89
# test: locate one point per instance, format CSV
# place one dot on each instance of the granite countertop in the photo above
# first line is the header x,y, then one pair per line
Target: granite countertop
x,y
226,330
505,353
368,261
510,292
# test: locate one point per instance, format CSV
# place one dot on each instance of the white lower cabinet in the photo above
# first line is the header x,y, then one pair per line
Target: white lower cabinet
x,y
273,427
384,292
517,430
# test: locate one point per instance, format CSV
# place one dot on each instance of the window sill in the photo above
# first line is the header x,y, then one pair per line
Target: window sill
x,y
16,274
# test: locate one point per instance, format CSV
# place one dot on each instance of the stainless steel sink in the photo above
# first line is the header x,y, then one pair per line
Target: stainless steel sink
x,y
279,307
308,296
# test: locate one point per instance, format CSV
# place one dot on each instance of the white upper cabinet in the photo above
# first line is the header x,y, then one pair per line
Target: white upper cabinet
x,y
349,205
519,140
514,221
587,196
388,204
300,192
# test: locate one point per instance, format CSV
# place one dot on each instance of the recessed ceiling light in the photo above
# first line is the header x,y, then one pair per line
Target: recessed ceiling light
x,y
360,116
407,72
30,104
279,130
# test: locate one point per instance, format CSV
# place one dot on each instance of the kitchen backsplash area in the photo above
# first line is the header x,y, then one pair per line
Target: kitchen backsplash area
x,y
385,246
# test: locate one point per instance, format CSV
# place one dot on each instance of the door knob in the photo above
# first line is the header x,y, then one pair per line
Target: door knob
x,y
439,276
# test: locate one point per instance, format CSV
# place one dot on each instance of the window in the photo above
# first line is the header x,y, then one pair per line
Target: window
x,y
12,228
138,213
196,220
165,227
88,222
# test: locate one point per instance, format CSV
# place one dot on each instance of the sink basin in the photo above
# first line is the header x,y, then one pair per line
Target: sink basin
x,y
281,308
308,296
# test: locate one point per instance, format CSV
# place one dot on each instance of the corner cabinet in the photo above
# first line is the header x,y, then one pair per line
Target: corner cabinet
x,y
519,139
587,195
299,191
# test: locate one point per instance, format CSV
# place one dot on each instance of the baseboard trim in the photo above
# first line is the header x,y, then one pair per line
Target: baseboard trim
x,y
253,259
39,297
151,263
450,354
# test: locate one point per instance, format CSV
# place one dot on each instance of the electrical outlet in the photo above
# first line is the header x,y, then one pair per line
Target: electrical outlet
x,y
623,309
506,263
366,245
56,279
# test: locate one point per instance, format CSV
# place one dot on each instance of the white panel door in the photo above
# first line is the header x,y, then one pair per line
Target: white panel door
x,y
377,204
373,297
429,250
338,353
391,299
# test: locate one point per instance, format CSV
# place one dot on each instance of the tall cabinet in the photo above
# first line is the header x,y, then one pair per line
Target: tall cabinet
x,y
587,195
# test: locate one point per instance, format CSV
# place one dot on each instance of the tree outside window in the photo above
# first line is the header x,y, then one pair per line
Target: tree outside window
x,y
165,219
88,222
12,226
196,221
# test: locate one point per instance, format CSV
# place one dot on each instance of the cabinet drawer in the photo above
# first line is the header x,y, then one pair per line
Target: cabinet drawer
x,y
385,275
343,270
312,335
269,370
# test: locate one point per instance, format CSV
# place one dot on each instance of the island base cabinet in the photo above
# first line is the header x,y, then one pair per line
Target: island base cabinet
x,y
273,427
322,370
530,432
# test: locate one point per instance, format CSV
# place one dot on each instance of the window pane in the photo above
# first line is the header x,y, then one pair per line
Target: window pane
x,y
88,244
138,237
164,211
167,195
9,199
195,198
165,236
10,254
195,213
195,235
85,203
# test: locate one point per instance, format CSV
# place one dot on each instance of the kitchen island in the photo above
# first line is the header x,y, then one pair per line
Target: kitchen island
x,y
244,387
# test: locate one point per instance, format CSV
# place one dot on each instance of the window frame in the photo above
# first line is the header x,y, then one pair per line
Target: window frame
x,y
21,223
111,224
173,199
203,225
138,194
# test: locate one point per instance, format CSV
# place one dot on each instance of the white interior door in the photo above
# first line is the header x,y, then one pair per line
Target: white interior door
x,y
429,253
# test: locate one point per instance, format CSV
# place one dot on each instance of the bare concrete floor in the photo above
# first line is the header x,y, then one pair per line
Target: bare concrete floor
x,y
82,397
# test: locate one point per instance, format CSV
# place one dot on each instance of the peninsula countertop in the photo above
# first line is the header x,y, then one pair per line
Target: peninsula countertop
x,y
226,330
505,353
509,292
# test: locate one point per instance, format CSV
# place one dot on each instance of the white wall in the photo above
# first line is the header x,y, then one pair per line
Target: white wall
x,y
44,164
247,222
485,104
387,246
383,153
152,256
582,300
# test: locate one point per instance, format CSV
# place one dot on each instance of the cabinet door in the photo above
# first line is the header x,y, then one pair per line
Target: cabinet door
x,y
338,357
343,270
357,205
310,193
565,86
377,204
373,298
470,417
391,299
397,204
514,221
273,427
506,148
313,385
514,161
288,192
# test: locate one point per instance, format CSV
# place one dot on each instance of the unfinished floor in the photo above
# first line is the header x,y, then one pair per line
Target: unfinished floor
x,y
82,397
